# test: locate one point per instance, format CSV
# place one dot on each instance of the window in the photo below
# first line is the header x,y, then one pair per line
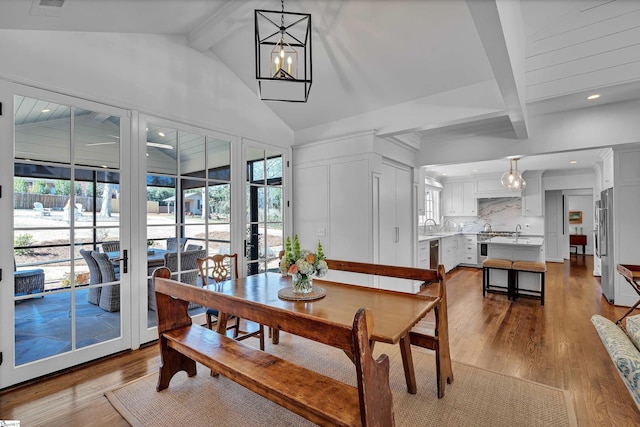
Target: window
x,y
431,203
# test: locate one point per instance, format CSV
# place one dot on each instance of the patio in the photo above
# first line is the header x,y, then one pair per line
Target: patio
x,y
43,325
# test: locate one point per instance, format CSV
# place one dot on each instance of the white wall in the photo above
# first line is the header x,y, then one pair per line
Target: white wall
x,y
154,74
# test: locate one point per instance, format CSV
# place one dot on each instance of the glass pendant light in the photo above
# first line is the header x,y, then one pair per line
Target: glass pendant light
x,y
512,179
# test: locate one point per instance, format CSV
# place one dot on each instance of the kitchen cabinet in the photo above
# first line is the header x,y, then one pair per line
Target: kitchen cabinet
x,y
469,250
423,254
395,215
459,199
532,194
421,190
607,170
449,252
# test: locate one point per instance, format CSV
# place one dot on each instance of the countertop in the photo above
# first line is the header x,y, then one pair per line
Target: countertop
x,y
520,241
523,240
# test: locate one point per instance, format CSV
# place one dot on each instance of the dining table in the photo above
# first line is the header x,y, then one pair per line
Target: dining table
x,y
394,313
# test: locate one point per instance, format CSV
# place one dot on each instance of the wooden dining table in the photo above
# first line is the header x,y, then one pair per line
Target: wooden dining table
x,y
394,313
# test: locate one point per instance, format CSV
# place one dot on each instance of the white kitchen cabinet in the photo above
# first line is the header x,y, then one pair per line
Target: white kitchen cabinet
x,y
469,250
459,199
532,194
449,252
423,254
607,170
421,190
469,200
395,215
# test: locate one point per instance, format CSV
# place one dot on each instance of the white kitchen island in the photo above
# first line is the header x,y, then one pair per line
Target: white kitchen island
x,y
517,249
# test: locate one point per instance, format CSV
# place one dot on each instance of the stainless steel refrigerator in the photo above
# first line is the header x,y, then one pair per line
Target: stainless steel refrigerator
x,y
605,244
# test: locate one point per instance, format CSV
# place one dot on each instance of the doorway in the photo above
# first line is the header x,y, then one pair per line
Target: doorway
x,y
70,189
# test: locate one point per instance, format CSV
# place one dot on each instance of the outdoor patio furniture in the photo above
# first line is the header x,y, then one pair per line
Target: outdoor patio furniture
x,y
95,277
111,247
189,268
79,209
28,281
193,247
109,295
41,209
172,243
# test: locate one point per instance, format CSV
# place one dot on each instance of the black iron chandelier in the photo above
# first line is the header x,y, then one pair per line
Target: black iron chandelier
x,y
283,55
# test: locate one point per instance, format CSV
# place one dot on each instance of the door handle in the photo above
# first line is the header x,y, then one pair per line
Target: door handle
x,y
125,260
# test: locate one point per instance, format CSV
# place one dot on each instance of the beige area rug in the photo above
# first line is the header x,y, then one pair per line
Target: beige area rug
x,y
477,397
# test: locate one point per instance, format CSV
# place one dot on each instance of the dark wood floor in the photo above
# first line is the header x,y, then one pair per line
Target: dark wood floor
x,y
555,345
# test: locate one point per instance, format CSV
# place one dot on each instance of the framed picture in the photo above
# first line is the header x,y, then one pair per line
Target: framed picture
x,y
575,217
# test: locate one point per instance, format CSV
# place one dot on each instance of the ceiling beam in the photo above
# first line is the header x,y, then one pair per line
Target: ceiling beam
x,y
500,27
230,16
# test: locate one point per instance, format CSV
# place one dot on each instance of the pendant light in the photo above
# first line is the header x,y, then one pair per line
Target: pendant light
x,y
283,55
512,179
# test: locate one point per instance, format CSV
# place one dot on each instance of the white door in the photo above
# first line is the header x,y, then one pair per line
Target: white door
x,y
69,191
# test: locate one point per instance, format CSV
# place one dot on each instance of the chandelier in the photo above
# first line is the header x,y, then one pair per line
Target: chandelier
x,y
512,179
283,55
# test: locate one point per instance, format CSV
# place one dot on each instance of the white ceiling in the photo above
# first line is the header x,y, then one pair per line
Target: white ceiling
x,y
375,55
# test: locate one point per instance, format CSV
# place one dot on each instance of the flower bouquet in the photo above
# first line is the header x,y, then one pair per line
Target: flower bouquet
x,y
302,265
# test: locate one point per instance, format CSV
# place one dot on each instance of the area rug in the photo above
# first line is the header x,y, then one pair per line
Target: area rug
x,y
477,397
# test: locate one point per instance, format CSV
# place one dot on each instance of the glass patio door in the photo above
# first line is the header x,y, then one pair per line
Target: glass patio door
x,y
265,207
189,212
71,192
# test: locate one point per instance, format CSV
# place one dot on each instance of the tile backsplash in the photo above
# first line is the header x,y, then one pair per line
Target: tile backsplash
x,y
503,213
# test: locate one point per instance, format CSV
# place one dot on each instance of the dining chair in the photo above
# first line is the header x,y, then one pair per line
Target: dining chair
x,y
218,268
109,295
95,277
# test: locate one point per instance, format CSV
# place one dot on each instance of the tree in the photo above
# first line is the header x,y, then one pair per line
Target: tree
x,y
62,187
20,185
39,187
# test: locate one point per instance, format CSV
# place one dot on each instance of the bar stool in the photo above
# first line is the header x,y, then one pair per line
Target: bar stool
x,y
497,264
529,267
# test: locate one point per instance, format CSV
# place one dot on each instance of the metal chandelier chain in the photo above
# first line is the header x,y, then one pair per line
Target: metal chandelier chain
x,y
282,16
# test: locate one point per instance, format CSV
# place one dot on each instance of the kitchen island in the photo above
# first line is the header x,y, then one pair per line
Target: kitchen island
x,y
516,249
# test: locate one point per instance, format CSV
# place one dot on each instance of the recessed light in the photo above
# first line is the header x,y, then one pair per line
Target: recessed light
x,y
573,162
46,110
475,170
443,174
592,97
161,133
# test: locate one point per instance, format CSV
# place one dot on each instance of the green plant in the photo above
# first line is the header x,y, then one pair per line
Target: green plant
x,y
22,240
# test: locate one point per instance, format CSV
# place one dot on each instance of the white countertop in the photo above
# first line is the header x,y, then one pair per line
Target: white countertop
x,y
520,241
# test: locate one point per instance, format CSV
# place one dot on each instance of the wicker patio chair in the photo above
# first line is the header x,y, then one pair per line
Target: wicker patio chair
x,y
111,247
95,277
189,272
28,281
109,295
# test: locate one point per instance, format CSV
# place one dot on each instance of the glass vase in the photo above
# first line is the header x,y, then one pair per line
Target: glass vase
x,y
302,283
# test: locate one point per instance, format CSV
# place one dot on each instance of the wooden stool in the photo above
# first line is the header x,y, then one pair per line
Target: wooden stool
x,y
497,264
529,267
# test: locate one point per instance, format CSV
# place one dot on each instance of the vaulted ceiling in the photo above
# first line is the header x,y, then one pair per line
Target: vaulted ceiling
x,y
427,70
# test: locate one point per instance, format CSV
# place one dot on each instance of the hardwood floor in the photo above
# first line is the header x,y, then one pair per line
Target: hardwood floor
x,y
555,345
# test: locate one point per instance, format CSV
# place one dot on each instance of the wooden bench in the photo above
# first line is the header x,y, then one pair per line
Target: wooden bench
x,y
314,396
437,341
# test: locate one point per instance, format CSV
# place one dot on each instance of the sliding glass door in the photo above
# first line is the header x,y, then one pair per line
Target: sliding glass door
x,y
69,161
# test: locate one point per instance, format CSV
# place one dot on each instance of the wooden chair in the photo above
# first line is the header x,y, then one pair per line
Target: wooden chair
x,y
218,267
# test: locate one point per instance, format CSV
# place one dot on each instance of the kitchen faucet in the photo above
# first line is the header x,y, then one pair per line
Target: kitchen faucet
x,y
425,224
518,230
